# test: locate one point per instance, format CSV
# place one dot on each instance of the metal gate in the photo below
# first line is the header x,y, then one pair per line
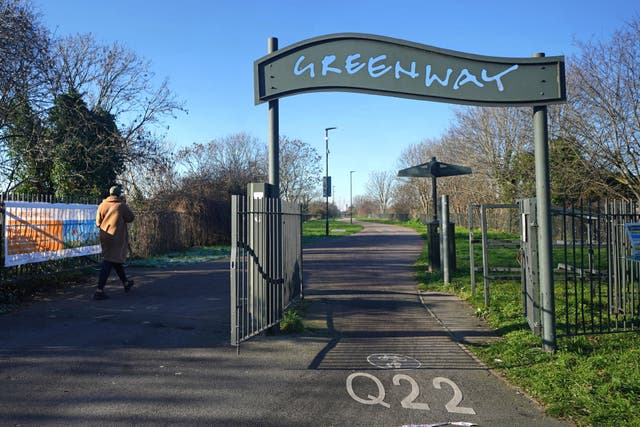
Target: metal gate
x,y
490,272
530,278
597,283
266,262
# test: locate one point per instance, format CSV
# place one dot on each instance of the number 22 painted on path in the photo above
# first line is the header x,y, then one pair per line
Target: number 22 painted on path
x,y
409,401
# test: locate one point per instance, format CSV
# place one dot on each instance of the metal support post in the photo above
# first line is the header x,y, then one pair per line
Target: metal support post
x,y
543,198
351,197
485,255
444,229
434,197
327,181
274,134
472,264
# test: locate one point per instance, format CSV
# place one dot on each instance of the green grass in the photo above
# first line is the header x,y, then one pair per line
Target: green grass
x,y
293,318
316,229
414,224
591,380
189,256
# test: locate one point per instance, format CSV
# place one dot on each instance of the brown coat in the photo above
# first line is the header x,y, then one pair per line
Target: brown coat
x,y
112,218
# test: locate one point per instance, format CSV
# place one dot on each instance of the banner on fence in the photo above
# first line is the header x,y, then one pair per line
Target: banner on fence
x,y
633,232
37,232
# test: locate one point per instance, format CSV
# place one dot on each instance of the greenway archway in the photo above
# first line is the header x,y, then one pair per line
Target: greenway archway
x,y
385,66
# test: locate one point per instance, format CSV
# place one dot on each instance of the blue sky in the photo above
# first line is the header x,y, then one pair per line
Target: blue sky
x,y
207,49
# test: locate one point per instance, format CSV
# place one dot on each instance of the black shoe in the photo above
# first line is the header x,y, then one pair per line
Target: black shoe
x,y
100,296
128,285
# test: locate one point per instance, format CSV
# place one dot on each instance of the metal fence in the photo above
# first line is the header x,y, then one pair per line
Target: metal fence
x,y
265,265
597,284
488,246
17,273
200,223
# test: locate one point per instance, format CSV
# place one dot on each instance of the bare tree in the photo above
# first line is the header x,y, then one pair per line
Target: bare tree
x,y
417,188
116,80
462,190
380,187
300,170
152,181
405,199
604,91
24,58
226,165
492,140
364,206
113,81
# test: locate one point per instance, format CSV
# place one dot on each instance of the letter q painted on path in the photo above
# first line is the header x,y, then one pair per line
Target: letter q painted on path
x,y
379,65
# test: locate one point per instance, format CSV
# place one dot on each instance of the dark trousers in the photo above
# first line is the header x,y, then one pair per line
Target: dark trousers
x,y
106,269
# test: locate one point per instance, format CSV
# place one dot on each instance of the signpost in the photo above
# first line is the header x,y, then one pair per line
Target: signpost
x,y
380,65
385,66
434,169
326,182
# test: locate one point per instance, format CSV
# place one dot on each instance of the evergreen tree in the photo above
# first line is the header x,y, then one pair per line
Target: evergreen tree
x,y
87,149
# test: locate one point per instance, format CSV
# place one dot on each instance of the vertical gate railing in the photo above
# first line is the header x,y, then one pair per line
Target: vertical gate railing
x,y
266,263
597,284
490,272
600,292
530,279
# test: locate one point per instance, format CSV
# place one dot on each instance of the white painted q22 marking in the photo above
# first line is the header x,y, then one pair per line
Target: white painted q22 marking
x,y
372,400
452,405
409,402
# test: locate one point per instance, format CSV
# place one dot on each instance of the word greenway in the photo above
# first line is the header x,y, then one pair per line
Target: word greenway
x,y
409,402
376,67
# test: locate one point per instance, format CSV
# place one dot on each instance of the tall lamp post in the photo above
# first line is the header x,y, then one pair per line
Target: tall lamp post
x,y
327,186
351,196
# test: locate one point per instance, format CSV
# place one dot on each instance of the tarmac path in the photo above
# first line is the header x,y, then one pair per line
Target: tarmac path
x,y
379,353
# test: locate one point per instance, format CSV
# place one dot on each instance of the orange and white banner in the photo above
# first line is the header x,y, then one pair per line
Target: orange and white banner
x,y
37,232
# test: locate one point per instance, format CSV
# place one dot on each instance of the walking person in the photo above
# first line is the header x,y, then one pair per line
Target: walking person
x,y
112,217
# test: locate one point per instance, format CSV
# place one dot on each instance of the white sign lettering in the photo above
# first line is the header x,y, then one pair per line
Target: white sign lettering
x,y
385,66
377,66
350,65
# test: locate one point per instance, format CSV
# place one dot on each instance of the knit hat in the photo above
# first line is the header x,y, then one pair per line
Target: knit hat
x,y
116,190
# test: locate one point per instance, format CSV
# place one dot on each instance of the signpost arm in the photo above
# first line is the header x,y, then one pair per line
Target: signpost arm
x,y
274,134
545,254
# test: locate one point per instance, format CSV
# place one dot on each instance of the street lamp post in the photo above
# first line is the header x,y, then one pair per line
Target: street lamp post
x,y
327,183
351,196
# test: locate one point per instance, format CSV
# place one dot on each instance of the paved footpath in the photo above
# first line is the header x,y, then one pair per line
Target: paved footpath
x,y
379,353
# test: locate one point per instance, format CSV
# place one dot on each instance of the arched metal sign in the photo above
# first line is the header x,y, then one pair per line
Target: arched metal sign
x,y
353,62
386,66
